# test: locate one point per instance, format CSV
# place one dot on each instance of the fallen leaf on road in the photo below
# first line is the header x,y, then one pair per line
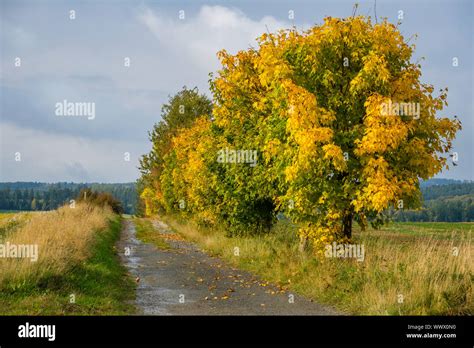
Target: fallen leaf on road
x,y
171,236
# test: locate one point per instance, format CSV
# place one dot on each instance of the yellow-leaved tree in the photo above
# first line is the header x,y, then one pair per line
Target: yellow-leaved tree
x,y
343,126
180,112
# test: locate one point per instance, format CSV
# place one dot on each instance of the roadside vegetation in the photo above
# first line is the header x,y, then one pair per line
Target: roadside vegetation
x,y
147,233
410,271
10,221
77,271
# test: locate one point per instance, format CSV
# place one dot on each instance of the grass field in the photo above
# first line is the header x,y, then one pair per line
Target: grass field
x,y
78,271
437,230
409,268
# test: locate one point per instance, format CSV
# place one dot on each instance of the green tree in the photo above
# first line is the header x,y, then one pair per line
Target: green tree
x,y
180,112
33,204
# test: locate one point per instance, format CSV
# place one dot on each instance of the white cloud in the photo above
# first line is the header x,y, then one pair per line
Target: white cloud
x,y
82,60
166,54
52,157
200,37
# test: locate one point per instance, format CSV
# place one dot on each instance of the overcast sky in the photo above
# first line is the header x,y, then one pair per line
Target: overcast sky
x,y
82,60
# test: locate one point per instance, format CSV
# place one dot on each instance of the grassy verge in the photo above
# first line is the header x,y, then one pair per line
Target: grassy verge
x,y
94,283
148,234
419,275
9,222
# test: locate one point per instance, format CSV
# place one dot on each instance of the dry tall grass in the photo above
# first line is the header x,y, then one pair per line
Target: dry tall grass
x,y
419,276
422,277
63,237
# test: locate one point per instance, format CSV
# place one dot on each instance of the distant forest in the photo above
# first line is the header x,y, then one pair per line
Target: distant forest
x,y
445,200
43,196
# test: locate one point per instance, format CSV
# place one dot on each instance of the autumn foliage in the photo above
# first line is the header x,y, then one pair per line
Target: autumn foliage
x,y
343,128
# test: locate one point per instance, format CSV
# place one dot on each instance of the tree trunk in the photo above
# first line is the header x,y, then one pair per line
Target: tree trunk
x,y
347,225
303,244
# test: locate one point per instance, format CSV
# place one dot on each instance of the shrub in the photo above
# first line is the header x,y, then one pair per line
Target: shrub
x,y
101,199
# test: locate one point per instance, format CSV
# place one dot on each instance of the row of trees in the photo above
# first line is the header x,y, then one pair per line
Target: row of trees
x,y
444,201
31,199
445,209
448,202
309,106
42,196
459,188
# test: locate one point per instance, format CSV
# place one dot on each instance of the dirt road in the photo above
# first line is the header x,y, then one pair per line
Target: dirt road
x,y
185,281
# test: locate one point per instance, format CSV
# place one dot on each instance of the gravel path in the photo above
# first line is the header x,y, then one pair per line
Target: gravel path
x,y
185,281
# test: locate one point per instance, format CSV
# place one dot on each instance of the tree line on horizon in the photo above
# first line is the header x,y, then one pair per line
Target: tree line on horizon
x,y
34,196
443,200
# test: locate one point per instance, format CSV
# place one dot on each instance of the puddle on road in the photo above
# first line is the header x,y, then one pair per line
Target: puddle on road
x,y
151,297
